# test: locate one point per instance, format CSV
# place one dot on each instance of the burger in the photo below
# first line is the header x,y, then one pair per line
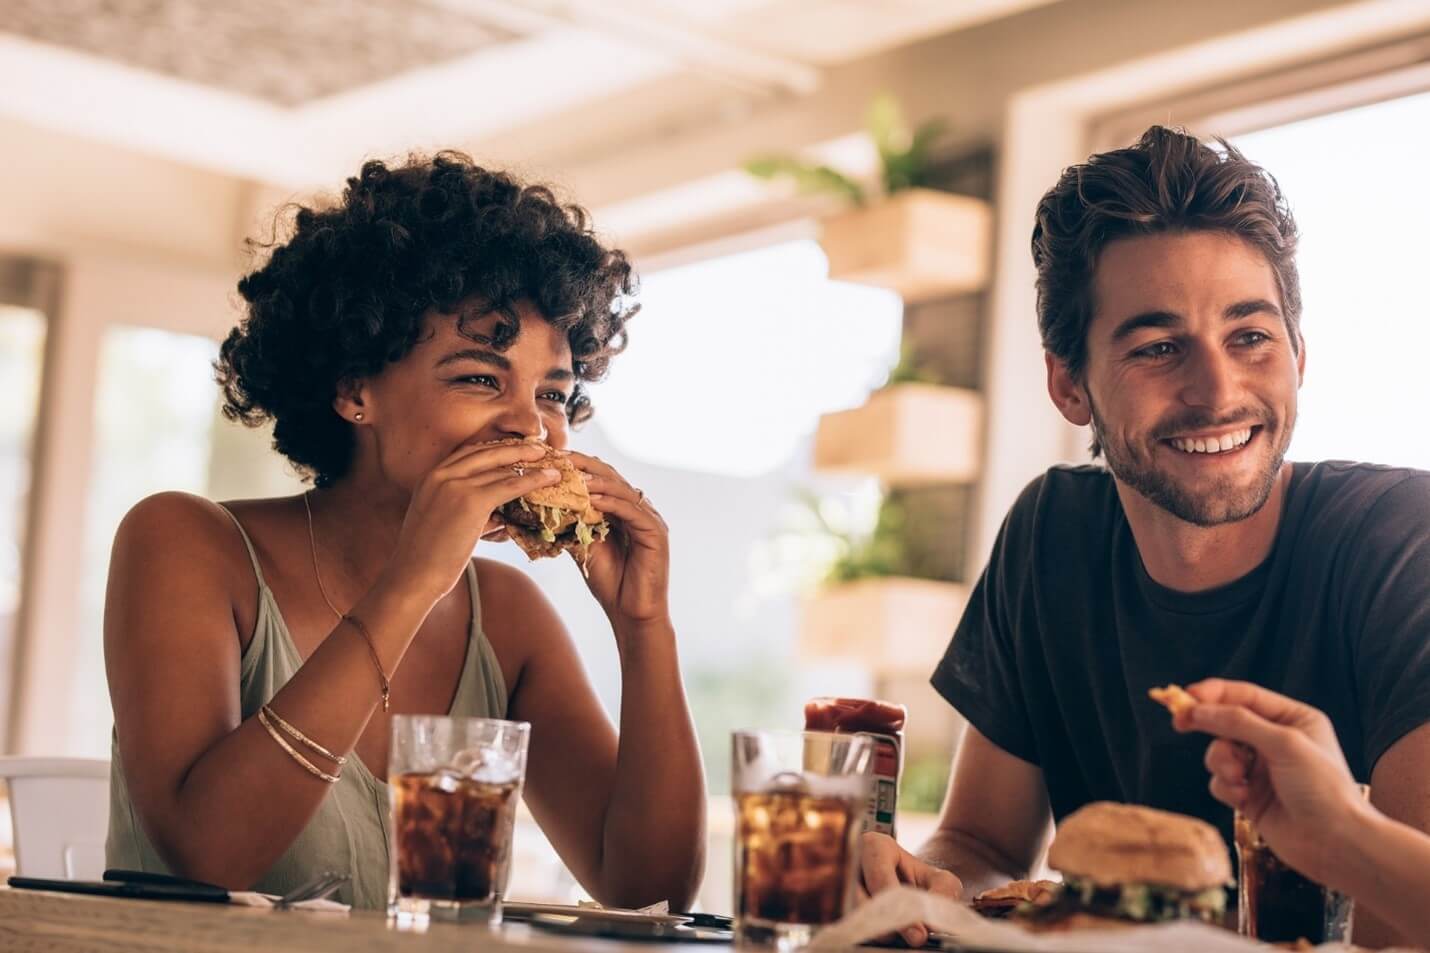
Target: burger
x,y
1124,865
553,519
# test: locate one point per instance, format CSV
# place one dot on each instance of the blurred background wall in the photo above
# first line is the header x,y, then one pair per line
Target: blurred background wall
x,y
768,378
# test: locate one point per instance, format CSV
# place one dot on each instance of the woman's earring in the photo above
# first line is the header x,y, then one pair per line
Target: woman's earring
x,y
357,416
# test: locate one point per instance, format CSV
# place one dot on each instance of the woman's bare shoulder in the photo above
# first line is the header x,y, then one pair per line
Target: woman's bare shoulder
x,y
188,535
508,594
176,518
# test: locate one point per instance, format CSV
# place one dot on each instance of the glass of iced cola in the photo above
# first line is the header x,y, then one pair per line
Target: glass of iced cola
x,y
455,784
799,810
1276,904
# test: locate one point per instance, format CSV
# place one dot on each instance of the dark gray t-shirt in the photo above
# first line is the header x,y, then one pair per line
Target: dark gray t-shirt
x,y
1065,632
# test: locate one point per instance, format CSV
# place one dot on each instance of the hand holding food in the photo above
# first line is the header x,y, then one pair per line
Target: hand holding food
x,y
629,574
1296,786
453,505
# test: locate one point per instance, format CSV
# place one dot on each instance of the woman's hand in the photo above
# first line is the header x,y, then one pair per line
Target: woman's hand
x,y
629,572
1278,762
452,508
884,864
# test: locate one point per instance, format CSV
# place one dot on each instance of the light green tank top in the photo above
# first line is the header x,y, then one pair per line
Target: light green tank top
x,y
349,831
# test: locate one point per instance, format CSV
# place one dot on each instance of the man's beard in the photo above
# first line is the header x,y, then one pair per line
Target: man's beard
x,y
1224,501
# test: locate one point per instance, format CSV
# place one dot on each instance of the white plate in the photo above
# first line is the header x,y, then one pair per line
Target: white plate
x,y
526,908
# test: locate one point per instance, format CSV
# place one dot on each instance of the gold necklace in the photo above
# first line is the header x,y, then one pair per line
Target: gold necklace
x,y
313,545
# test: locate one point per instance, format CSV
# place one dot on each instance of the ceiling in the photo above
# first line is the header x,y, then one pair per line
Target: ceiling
x,y
296,92
283,53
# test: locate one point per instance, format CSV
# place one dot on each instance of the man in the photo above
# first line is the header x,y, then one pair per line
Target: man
x,y
1170,309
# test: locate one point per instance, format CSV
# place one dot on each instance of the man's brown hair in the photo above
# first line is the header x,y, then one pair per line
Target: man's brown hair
x,y
1168,182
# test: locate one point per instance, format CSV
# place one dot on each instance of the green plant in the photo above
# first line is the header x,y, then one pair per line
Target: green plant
x,y
903,154
751,691
924,783
910,370
827,540
811,178
904,157
862,554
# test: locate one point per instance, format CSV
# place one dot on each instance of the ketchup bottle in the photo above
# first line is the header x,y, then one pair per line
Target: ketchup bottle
x,y
882,722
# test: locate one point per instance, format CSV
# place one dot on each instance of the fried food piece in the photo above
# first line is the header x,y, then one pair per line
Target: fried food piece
x,y
1174,698
1001,901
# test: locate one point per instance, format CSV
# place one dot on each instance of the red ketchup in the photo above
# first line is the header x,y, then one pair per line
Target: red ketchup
x,y
884,724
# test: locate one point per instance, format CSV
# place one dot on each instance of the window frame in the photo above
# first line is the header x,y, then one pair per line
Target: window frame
x,y
1326,85
34,284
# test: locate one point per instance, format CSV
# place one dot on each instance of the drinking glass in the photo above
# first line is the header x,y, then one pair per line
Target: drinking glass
x,y
455,784
799,809
1275,904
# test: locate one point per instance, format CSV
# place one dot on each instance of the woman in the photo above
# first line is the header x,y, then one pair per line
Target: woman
x,y
436,307
1301,796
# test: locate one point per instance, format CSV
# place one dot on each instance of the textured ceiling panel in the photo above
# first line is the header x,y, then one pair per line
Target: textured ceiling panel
x,y
286,52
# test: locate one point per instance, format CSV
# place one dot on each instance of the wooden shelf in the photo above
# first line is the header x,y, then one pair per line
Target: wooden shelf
x,y
890,624
907,435
920,243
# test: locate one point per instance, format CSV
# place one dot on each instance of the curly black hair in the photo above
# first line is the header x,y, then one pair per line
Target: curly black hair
x,y
347,291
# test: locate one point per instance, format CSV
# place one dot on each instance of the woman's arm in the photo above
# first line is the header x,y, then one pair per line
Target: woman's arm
x,y
217,795
219,799
627,816
1385,865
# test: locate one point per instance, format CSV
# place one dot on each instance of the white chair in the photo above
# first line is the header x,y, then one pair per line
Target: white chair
x,y
60,811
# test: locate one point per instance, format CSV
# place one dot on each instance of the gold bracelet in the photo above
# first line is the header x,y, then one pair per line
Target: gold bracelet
x,y
376,662
337,759
313,769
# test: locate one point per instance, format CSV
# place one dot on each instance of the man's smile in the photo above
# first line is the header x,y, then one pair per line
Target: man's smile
x,y
1215,443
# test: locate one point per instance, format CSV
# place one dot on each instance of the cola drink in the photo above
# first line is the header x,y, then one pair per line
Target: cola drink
x,y
1275,904
452,835
799,810
794,851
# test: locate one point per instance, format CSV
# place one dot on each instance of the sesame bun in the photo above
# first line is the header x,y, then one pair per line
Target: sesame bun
x,y
1114,844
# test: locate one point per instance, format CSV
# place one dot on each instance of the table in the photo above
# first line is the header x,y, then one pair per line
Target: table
x,y
33,921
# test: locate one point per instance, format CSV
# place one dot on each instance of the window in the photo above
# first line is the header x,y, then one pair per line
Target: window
x,y
1355,180
157,427
731,361
22,347
154,406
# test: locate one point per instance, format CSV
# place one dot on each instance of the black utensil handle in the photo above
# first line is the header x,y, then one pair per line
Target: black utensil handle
x,y
148,877
128,890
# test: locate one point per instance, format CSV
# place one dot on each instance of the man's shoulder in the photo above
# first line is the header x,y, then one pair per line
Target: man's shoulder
x,y
1068,486
1362,510
1066,505
1079,477
1360,472
1360,491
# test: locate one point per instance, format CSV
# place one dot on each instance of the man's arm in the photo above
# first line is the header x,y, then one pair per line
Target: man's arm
x,y
995,822
1400,789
